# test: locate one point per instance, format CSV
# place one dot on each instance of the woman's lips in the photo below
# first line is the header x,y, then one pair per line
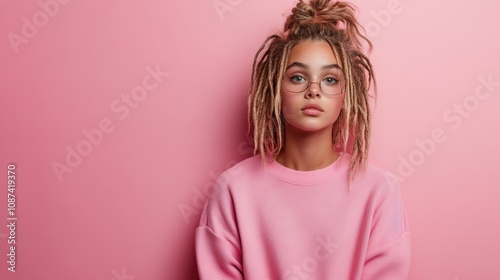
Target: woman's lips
x,y
312,110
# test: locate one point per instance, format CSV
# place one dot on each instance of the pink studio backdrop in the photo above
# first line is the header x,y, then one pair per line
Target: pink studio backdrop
x,y
118,114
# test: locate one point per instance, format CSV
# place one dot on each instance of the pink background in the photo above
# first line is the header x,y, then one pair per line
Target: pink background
x,y
117,215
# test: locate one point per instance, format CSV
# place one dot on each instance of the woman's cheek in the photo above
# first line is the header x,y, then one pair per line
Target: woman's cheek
x,y
286,106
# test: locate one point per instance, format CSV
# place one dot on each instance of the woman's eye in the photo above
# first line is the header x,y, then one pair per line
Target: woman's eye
x,y
297,79
330,81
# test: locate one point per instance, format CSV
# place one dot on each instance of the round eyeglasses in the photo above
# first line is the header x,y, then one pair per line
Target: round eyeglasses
x,y
329,85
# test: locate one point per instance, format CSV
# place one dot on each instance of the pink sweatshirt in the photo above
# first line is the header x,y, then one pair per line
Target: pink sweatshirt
x,y
269,222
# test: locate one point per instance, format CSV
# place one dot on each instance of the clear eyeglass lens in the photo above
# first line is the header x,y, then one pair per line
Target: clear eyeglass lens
x,y
326,88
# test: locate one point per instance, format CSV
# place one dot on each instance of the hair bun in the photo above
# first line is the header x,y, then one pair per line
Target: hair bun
x,y
336,16
314,12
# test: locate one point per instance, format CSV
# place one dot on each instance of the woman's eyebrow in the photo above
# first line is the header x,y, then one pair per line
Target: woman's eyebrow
x,y
298,64
305,66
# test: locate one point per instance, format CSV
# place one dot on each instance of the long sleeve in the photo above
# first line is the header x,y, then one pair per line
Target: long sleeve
x,y
388,256
218,250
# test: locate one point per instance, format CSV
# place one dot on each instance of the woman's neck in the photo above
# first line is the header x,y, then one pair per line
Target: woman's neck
x,y
307,151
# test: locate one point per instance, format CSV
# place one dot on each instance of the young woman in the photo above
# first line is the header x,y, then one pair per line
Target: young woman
x,y
308,205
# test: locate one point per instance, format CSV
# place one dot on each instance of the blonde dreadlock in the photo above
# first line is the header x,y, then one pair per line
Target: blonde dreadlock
x,y
335,23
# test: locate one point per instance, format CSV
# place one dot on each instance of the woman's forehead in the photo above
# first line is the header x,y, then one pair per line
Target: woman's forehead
x,y
312,54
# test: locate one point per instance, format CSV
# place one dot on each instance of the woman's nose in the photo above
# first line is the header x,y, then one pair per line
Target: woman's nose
x,y
314,90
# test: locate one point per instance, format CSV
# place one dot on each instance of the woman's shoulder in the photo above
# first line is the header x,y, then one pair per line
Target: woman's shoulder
x,y
249,166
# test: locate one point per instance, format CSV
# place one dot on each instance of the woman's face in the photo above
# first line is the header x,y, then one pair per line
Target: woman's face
x,y
311,61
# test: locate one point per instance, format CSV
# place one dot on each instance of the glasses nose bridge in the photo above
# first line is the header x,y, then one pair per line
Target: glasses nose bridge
x,y
318,83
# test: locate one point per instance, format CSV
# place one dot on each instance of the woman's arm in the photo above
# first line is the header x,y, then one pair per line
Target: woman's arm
x,y
389,248
216,257
218,250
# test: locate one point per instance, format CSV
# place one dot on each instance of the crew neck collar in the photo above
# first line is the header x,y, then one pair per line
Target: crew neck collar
x,y
311,177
